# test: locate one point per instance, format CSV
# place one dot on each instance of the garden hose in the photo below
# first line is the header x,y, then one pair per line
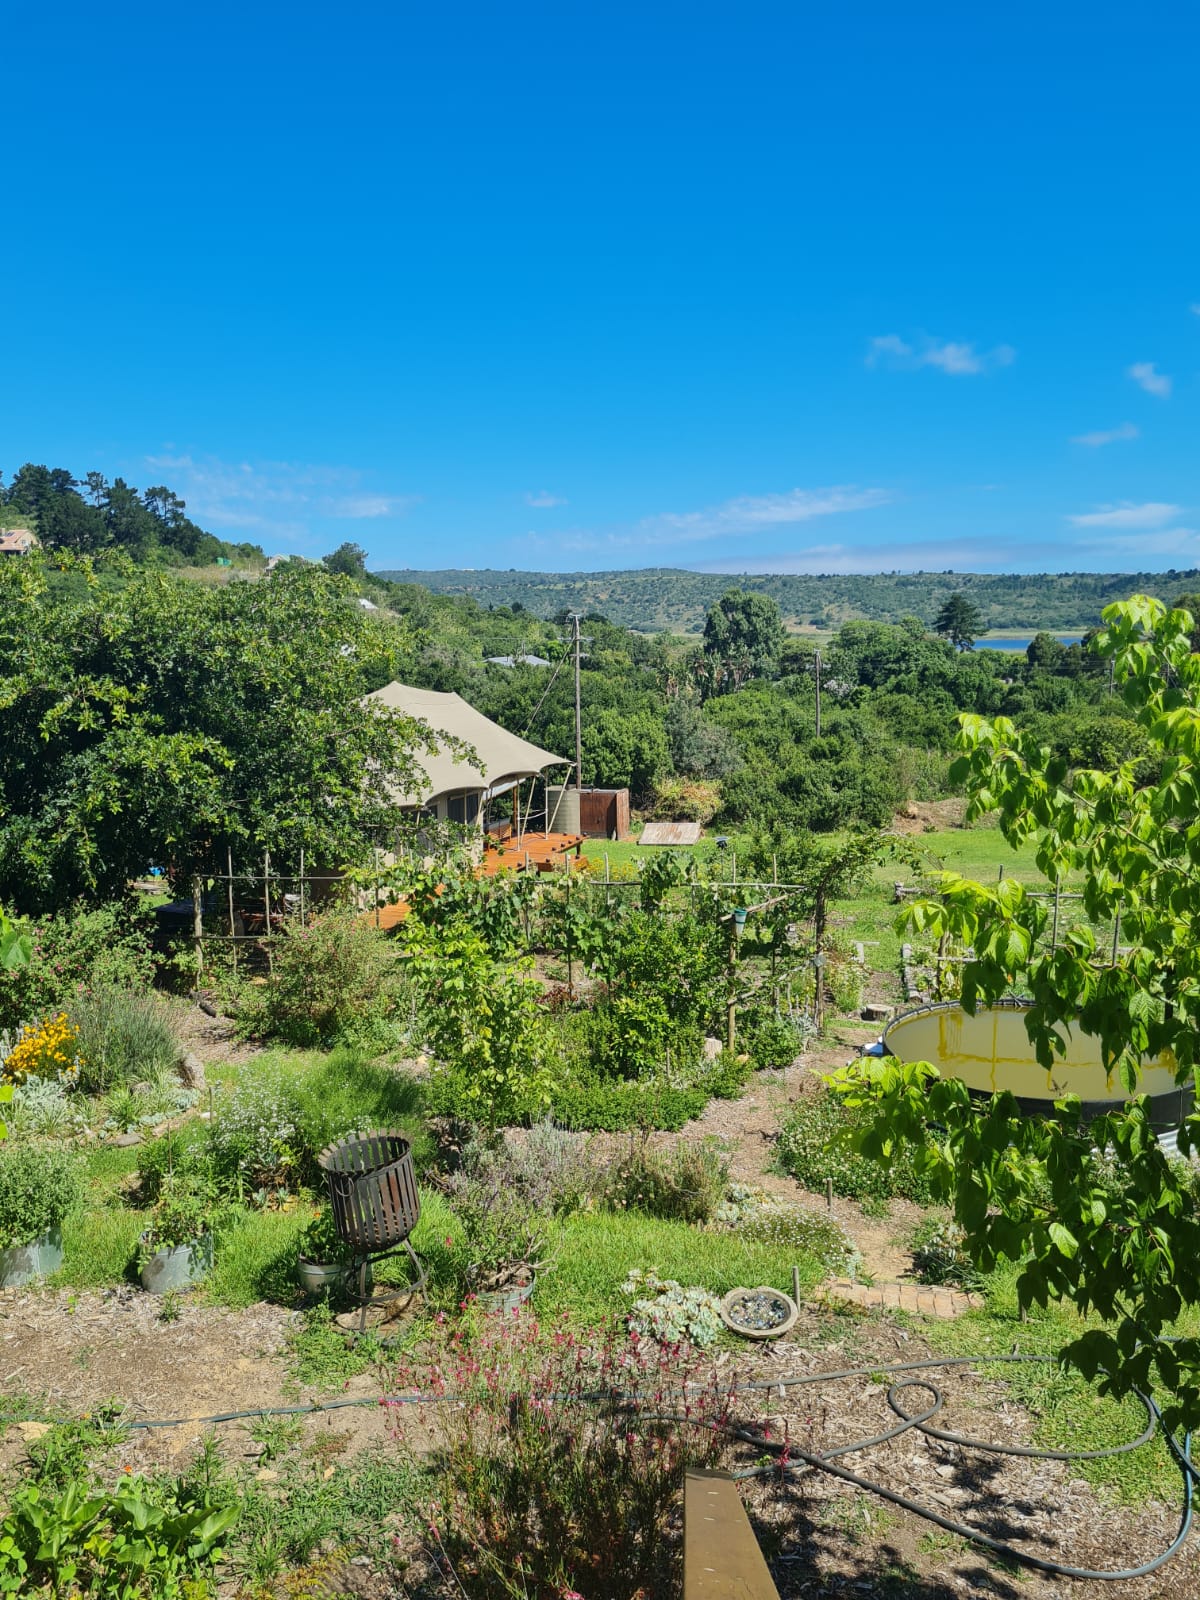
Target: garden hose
x,y
794,1458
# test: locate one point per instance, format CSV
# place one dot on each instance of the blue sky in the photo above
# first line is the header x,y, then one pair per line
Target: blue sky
x,y
753,287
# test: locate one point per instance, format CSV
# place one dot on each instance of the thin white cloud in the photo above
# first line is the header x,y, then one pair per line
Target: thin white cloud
x,y
1126,430
1194,308
955,357
272,499
543,500
1151,514
749,513
1147,376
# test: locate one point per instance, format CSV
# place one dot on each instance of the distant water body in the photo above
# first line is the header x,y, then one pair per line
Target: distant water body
x,y
1021,644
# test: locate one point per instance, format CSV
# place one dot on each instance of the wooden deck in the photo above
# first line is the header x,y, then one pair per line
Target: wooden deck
x,y
539,852
542,852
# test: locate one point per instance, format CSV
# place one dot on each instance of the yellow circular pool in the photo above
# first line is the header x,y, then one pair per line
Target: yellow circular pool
x,y
991,1051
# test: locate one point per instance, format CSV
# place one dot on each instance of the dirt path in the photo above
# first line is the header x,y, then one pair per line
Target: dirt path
x,y
748,1128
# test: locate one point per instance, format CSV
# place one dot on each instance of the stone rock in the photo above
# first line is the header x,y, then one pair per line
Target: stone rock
x,y
191,1071
30,1431
123,1141
712,1048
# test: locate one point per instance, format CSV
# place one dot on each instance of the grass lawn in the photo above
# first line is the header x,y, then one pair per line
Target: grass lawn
x,y
598,1249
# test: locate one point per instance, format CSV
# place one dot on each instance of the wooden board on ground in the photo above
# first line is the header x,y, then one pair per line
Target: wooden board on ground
x,y
670,833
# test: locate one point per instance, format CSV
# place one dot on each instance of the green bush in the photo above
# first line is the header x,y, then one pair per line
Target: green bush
x,y
73,952
333,979
38,1186
686,1183
813,1147
771,1039
140,1538
125,1036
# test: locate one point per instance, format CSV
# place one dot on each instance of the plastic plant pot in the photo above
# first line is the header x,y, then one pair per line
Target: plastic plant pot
x,y
22,1263
178,1266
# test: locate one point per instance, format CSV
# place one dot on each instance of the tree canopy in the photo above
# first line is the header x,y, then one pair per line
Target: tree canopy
x,y
168,722
1095,1213
743,635
961,621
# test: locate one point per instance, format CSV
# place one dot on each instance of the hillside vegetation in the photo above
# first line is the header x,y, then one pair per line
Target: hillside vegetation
x,y
668,599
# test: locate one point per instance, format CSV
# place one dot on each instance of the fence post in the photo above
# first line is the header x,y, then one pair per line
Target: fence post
x,y
267,908
229,883
198,923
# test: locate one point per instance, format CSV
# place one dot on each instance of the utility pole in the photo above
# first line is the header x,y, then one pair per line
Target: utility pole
x,y
578,726
817,659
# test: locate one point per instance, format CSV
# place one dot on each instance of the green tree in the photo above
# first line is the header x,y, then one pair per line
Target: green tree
x,y
349,560
170,722
743,635
1045,652
1096,1214
961,621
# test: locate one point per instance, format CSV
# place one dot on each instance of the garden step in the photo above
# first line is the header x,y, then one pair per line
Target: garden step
x,y
921,1299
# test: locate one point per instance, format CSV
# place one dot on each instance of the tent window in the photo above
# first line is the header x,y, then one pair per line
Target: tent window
x,y
462,807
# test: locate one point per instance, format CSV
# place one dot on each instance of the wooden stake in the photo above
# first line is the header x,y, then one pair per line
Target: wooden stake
x,y
1054,929
198,924
796,1284
267,907
232,929
302,886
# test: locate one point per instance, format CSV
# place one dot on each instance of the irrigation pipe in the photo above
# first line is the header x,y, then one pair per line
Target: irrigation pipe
x,y
793,1458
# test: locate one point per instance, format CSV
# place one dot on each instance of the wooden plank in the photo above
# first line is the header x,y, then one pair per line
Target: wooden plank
x,y
721,1557
671,833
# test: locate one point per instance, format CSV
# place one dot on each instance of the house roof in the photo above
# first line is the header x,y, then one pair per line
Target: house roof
x,y
518,661
17,539
499,758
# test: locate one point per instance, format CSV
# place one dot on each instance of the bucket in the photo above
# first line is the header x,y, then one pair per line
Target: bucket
x,y
507,1300
178,1266
323,1277
22,1263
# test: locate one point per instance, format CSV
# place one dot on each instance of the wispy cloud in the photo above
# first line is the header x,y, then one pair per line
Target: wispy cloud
x,y
965,555
750,513
543,500
954,357
1151,514
1195,308
1147,376
273,499
1126,430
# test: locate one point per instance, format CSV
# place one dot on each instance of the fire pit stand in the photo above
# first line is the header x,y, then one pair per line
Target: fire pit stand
x,y
376,1206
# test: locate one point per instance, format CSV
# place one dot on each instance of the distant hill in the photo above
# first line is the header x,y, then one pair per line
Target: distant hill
x,y
667,599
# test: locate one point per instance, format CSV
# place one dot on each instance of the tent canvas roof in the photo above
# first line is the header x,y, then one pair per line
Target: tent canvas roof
x,y
503,758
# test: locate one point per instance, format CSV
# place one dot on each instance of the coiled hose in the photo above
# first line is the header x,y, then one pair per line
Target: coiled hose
x,y
794,1458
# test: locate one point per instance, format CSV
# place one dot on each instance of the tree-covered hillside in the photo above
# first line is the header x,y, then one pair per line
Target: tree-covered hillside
x,y
658,599
91,515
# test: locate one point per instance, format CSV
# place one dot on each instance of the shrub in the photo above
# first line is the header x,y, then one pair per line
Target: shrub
x,y
43,1107
685,1184
773,1040
255,1138
72,952
814,1147
182,1215
38,1186
545,1490
486,1026
124,1036
334,978
139,1538
45,1049
554,1166
939,1255
505,1233
761,1218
